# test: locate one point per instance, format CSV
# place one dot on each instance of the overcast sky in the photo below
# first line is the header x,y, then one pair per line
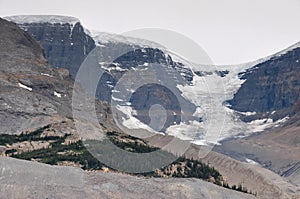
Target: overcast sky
x,y
230,31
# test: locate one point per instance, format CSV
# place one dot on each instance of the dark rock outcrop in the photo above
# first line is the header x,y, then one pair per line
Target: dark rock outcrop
x,y
66,45
167,95
273,85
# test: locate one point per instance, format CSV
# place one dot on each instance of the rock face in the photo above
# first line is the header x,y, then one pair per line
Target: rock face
x,y
27,96
150,91
273,85
33,93
272,90
66,45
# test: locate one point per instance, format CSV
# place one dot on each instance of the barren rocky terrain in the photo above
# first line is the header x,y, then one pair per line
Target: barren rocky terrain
x,y
264,182
276,149
44,181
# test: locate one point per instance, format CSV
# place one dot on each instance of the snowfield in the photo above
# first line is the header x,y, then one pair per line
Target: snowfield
x,y
24,86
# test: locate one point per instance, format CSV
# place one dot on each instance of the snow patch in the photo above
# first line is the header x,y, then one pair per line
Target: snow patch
x,y
24,86
251,161
100,45
7,106
116,99
262,124
247,113
45,74
102,38
111,66
57,94
130,121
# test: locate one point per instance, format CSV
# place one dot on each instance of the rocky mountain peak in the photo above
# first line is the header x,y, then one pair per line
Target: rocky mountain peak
x,y
65,42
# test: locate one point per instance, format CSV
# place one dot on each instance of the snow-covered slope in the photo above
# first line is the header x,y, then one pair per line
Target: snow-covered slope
x,y
53,19
102,38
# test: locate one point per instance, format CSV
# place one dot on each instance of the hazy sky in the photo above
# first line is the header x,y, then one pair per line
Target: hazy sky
x,y
230,31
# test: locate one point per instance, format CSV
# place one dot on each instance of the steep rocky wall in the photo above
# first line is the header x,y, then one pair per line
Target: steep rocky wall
x,y
273,85
33,94
65,46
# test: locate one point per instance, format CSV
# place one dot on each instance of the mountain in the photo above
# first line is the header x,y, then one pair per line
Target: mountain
x,y
272,87
45,117
244,99
248,98
25,74
33,93
64,40
271,91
